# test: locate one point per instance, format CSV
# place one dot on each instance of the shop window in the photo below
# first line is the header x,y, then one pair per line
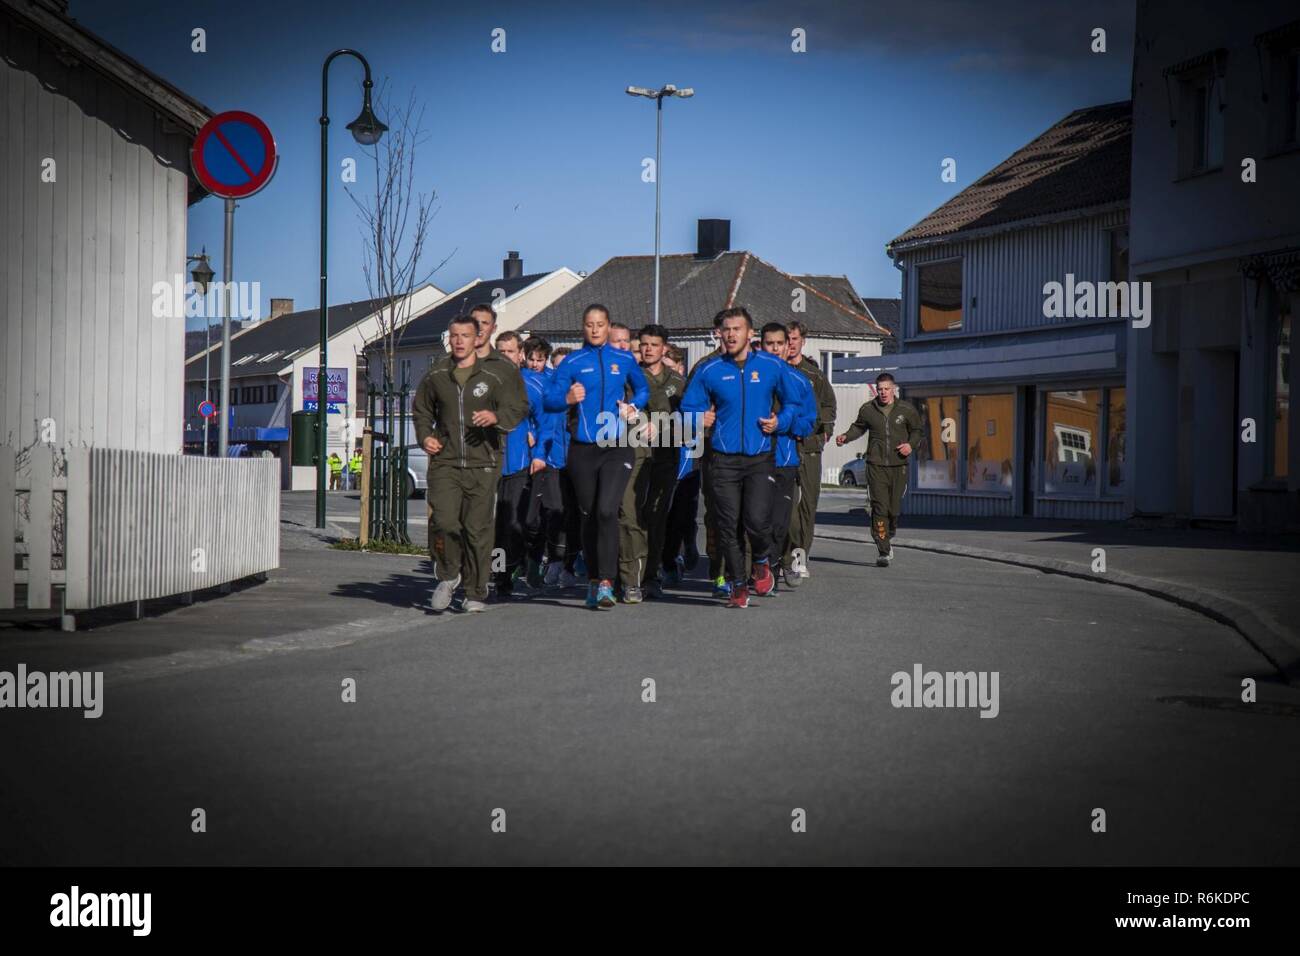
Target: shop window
x,y
937,453
271,392
1281,396
990,443
1071,429
1116,438
939,296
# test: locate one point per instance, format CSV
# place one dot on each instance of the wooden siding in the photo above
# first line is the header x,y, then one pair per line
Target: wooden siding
x,y
79,256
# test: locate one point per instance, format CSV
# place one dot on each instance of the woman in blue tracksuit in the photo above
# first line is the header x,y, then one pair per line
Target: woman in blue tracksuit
x,y
735,393
600,387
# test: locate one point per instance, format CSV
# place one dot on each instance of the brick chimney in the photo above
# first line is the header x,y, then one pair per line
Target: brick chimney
x,y
714,238
280,307
512,267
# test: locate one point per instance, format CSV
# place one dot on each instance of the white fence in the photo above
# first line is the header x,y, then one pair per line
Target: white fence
x,y
107,526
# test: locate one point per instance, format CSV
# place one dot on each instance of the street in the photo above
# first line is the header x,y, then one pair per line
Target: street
x,y
1108,699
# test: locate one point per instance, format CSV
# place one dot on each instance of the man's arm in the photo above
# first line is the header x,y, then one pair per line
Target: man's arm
x,y
424,409
859,426
640,387
697,397
512,401
827,407
557,389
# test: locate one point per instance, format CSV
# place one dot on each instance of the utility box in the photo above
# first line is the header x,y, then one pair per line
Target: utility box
x,y
304,438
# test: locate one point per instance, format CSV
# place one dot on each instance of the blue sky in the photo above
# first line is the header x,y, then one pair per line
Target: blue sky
x,y
817,158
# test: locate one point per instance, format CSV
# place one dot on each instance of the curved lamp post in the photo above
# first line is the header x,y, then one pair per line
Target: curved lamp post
x,y
366,129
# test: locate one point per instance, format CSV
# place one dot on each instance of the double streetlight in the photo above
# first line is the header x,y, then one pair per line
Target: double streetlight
x,y
658,97
366,129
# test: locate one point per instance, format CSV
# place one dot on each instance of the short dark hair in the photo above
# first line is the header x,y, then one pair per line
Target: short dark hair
x,y
535,344
509,335
677,353
595,307
658,331
483,307
735,312
794,325
772,328
717,319
618,325
884,377
464,319
561,351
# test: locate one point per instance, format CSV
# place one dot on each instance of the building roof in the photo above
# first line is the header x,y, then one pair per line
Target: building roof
x,y
50,19
887,312
429,325
693,290
268,346
1080,163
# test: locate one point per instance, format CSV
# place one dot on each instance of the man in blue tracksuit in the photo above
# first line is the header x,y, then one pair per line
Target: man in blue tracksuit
x,y
544,522
786,458
522,458
601,387
736,393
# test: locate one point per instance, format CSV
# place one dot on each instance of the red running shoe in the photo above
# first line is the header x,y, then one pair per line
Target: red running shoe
x,y
763,580
739,596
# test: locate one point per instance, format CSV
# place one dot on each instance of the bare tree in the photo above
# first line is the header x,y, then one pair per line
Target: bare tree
x,y
395,223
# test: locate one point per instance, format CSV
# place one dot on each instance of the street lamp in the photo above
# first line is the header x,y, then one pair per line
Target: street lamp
x,y
202,275
658,97
366,129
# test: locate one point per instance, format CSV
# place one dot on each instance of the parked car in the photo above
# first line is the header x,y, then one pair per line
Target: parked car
x,y
854,474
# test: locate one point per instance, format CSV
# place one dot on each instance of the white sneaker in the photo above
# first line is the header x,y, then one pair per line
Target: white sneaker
x,y
569,580
803,571
471,607
553,571
443,594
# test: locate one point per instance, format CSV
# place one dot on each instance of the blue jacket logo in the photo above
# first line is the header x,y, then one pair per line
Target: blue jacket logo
x,y
613,368
753,376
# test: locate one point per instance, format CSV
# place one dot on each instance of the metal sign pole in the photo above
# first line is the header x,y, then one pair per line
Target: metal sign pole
x,y
227,273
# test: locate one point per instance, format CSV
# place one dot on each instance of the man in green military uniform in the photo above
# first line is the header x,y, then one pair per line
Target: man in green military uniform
x,y
794,564
643,517
462,411
895,429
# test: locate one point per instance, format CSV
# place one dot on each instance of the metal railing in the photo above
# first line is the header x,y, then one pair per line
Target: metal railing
x,y
387,489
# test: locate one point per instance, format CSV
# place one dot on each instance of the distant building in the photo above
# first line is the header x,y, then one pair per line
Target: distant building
x,y
696,286
1216,231
271,363
1024,397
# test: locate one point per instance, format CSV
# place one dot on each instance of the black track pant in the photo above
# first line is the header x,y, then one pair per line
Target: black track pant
x,y
743,488
681,527
599,475
512,507
544,522
783,504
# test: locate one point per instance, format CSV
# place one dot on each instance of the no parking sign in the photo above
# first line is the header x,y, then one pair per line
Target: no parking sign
x,y
234,155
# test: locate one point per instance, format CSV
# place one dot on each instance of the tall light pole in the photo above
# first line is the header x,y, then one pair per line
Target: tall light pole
x,y
202,275
366,129
658,97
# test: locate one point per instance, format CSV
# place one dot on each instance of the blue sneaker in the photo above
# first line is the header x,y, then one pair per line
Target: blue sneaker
x,y
591,594
605,594
721,587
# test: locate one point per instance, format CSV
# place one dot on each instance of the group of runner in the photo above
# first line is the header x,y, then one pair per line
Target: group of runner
x,y
567,467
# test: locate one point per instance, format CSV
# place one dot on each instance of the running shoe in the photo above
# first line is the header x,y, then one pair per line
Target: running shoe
x,y
739,596
591,594
762,582
633,595
534,576
675,574
552,577
580,566
473,607
605,594
721,587
692,557
653,589
790,577
568,579
443,593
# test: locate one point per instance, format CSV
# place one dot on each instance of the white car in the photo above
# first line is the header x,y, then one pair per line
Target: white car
x,y
854,474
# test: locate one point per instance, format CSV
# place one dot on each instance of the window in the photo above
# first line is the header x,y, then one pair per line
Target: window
x,y
827,363
234,396
1071,426
1281,396
990,443
1083,442
939,297
1202,134
1291,99
936,456
271,392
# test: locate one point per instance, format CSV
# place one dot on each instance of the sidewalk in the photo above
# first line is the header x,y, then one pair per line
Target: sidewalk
x,y
1248,582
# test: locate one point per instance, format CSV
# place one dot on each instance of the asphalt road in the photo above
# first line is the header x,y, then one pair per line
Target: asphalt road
x,y
1107,699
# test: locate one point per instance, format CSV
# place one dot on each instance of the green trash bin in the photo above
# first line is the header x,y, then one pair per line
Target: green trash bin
x,y
304,438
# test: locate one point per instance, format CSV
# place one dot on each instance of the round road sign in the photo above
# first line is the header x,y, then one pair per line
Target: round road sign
x,y
207,409
234,155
